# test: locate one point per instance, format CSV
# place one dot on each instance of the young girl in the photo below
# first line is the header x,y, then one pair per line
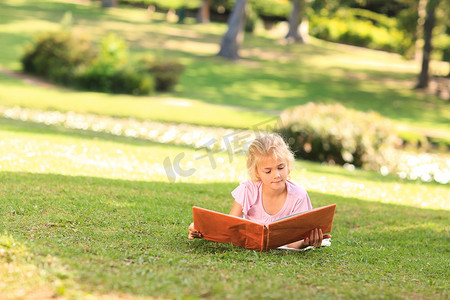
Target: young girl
x,y
270,195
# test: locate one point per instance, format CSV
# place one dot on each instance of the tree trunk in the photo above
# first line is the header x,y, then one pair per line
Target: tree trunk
x,y
298,24
422,14
428,26
235,34
203,12
109,3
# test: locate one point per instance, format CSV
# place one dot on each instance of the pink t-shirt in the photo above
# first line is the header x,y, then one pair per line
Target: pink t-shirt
x,y
249,195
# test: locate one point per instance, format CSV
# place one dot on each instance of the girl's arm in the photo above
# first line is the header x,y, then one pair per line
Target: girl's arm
x,y
315,239
236,210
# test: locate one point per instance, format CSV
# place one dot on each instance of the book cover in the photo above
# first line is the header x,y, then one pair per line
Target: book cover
x,y
223,228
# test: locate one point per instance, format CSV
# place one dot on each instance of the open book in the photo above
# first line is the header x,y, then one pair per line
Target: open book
x,y
224,228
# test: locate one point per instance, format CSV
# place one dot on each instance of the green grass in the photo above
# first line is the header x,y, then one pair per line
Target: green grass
x,y
270,78
28,147
14,92
101,236
84,214
88,215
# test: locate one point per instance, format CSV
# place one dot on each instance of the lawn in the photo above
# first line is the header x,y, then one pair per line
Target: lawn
x,y
269,78
93,215
16,92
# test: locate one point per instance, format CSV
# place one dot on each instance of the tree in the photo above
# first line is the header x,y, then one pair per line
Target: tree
x,y
298,24
428,26
233,37
203,12
421,10
109,3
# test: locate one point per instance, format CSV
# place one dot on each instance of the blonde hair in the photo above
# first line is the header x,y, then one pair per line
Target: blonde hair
x,y
264,146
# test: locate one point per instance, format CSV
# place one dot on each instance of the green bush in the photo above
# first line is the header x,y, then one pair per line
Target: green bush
x,y
57,55
166,73
69,59
110,71
360,28
113,54
279,9
441,45
251,18
335,134
127,81
120,81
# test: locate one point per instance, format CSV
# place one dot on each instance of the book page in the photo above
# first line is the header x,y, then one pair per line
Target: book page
x,y
297,227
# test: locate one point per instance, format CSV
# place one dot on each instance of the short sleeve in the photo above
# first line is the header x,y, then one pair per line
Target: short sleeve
x,y
300,198
302,204
241,196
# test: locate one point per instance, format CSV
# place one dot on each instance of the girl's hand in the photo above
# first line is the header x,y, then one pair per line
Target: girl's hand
x,y
315,238
193,234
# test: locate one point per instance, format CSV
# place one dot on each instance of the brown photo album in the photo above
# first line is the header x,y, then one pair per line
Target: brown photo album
x,y
224,228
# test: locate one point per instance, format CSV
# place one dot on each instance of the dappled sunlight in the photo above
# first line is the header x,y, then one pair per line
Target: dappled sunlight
x,y
263,89
407,228
176,102
425,167
396,192
133,15
264,54
211,141
368,59
127,30
362,62
41,156
98,158
181,134
74,154
37,153
14,92
188,34
120,204
40,276
192,47
78,2
15,2
210,156
29,26
16,261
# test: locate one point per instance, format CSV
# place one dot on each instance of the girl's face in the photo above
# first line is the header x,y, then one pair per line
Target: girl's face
x,y
273,172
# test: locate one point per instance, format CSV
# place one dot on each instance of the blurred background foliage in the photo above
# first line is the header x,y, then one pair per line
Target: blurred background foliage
x,y
67,58
376,24
392,26
106,63
339,135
